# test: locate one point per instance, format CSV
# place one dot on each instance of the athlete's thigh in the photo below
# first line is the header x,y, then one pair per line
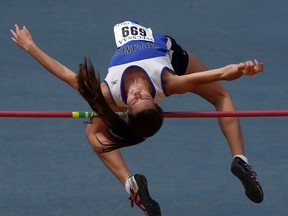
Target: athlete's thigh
x,y
212,92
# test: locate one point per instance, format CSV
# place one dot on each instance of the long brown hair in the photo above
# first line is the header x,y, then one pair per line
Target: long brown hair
x,y
119,133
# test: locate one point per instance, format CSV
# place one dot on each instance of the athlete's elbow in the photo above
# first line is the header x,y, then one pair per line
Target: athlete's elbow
x,y
93,140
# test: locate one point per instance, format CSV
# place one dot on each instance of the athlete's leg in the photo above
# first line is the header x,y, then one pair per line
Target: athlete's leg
x,y
217,95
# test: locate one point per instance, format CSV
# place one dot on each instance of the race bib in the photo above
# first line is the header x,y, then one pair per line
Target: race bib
x,y
128,31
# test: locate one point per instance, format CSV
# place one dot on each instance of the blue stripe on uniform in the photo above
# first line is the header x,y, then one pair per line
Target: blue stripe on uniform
x,y
139,50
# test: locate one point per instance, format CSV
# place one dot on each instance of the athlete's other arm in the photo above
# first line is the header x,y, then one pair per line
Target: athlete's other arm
x,y
188,83
23,38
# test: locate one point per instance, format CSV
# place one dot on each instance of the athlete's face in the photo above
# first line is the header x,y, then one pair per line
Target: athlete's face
x,y
139,99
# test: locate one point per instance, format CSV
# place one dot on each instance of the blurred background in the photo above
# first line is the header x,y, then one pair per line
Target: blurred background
x,y
47,166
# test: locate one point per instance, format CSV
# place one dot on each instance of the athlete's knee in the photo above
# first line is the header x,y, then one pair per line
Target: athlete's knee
x,y
220,94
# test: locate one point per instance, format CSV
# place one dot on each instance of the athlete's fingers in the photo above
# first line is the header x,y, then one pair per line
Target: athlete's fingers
x,y
17,29
13,33
259,67
256,65
26,32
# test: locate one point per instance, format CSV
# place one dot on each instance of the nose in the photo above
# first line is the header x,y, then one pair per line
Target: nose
x,y
137,94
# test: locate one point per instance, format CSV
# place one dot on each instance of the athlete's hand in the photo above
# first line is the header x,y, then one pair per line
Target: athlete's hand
x,y
235,71
250,68
22,37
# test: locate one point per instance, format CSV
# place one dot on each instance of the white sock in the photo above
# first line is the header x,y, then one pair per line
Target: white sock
x,y
242,157
127,185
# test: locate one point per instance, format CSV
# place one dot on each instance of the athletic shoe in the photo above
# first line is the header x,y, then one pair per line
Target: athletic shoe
x,y
247,176
140,195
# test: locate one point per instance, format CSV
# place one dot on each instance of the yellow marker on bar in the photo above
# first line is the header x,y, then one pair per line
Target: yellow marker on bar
x,y
75,114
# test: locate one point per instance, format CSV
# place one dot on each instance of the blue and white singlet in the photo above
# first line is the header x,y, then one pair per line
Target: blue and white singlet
x,y
138,46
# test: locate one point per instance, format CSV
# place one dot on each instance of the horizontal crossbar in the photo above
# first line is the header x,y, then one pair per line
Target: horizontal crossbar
x,y
208,114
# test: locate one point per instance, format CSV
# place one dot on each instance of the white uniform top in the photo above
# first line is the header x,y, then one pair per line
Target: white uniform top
x,y
137,46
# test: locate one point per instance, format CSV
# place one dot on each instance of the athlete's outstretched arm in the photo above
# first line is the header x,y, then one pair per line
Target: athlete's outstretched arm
x,y
23,38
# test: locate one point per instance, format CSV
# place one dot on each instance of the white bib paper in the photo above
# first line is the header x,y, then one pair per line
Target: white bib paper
x,y
128,31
